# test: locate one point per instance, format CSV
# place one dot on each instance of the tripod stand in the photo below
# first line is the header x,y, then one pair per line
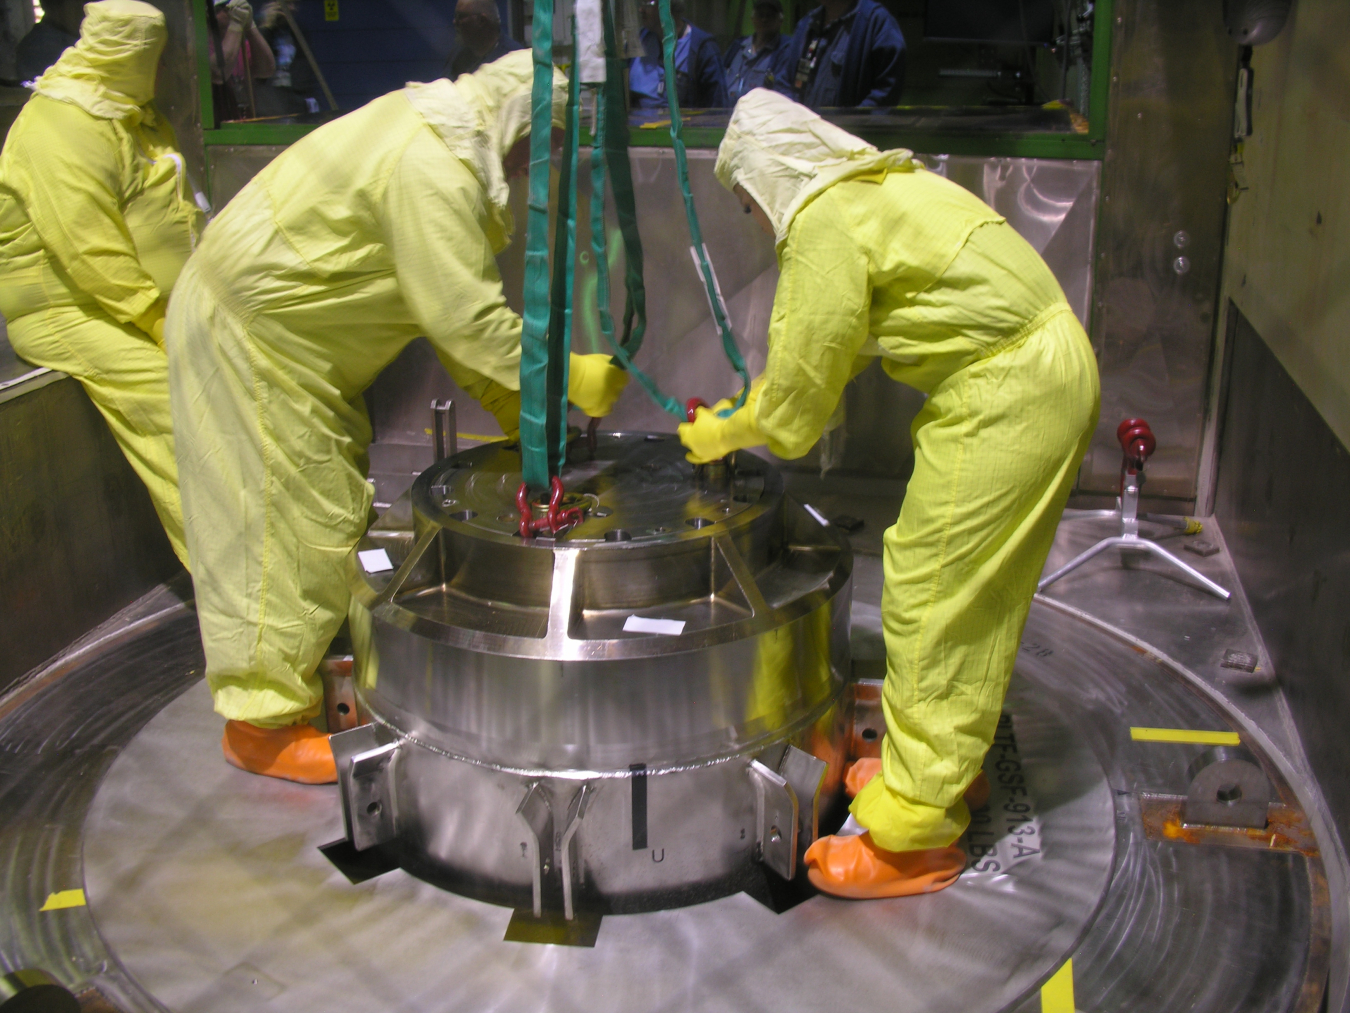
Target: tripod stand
x,y
1138,443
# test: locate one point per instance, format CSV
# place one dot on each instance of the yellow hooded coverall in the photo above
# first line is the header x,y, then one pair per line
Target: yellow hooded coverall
x,y
880,258
372,230
95,225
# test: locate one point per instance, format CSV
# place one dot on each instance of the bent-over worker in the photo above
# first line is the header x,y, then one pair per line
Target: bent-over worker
x,y
374,229
880,258
96,221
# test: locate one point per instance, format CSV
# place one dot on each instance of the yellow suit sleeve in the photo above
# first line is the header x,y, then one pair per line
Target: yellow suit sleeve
x,y
434,221
65,167
817,328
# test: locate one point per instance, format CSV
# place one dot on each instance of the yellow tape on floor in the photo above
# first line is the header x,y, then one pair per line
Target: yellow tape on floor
x,y
1185,735
1057,993
63,899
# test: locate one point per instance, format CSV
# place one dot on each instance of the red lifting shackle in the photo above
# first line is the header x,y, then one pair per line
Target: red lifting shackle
x,y
1136,439
692,406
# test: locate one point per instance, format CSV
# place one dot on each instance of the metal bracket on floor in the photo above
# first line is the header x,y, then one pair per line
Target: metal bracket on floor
x,y
776,819
1228,789
571,870
536,814
364,758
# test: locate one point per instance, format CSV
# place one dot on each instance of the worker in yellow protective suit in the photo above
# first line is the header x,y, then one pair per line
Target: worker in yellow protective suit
x,y
374,229
880,258
96,221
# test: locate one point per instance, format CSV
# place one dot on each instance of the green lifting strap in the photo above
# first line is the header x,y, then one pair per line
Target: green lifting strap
x,y
611,146
564,278
536,404
700,252
615,144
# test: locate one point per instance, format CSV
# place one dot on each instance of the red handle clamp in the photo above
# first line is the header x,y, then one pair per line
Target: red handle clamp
x,y
1137,440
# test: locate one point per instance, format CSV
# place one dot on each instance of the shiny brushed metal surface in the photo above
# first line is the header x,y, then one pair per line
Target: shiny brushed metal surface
x,y
1160,236
79,538
207,893
505,671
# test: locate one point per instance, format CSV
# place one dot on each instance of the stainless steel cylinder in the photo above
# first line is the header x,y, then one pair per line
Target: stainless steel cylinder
x,y
632,714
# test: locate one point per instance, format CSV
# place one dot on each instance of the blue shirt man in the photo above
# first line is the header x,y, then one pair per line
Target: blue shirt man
x,y
845,53
700,83
755,61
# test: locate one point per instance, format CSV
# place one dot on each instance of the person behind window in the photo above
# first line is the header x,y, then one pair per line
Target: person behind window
x,y
241,45
755,61
845,53
479,38
49,38
700,82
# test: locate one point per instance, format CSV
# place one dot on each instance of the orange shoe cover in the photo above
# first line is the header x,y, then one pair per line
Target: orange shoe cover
x,y
977,792
855,868
294,753
862,771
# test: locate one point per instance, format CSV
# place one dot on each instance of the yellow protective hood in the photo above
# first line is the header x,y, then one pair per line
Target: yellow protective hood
x,y
784,155
482,115
110,71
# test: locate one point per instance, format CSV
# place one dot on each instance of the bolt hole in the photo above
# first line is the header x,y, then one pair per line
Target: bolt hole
x,y
869,734
775,835
1229,793
343,709
373,809
699,522
618,535
464,515
660,531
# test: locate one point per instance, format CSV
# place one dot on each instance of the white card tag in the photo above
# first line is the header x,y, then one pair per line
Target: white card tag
x,y
666,627
375,560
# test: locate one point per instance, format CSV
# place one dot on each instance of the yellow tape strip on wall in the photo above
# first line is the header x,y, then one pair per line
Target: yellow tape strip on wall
x,y
63,899
1186,736
1057,993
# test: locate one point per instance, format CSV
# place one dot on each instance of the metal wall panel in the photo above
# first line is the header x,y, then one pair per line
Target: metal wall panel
x,y
231,166
79,539
1161,234
1283,486
176,93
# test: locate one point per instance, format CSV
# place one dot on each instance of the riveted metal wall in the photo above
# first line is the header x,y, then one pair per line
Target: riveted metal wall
x,y
1160,239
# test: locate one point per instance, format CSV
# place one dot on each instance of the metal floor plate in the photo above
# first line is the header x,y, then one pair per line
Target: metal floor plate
x,y
206,890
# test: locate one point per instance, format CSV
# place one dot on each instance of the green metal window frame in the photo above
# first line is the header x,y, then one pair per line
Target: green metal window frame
x,y
1091,145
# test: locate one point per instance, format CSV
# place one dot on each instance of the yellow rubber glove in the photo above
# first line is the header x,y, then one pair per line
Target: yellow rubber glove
x,y
710,438
505,408
593,385
152,322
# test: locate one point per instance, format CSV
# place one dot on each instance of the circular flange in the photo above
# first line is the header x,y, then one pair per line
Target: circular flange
x,y
208,884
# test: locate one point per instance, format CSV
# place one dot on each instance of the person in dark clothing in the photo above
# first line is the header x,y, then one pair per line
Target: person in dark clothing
x,y
479,38
845,53
700,81
58,30
755,61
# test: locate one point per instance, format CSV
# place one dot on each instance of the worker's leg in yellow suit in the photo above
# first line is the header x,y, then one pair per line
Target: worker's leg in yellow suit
x,y
997,449
273,463
126,376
